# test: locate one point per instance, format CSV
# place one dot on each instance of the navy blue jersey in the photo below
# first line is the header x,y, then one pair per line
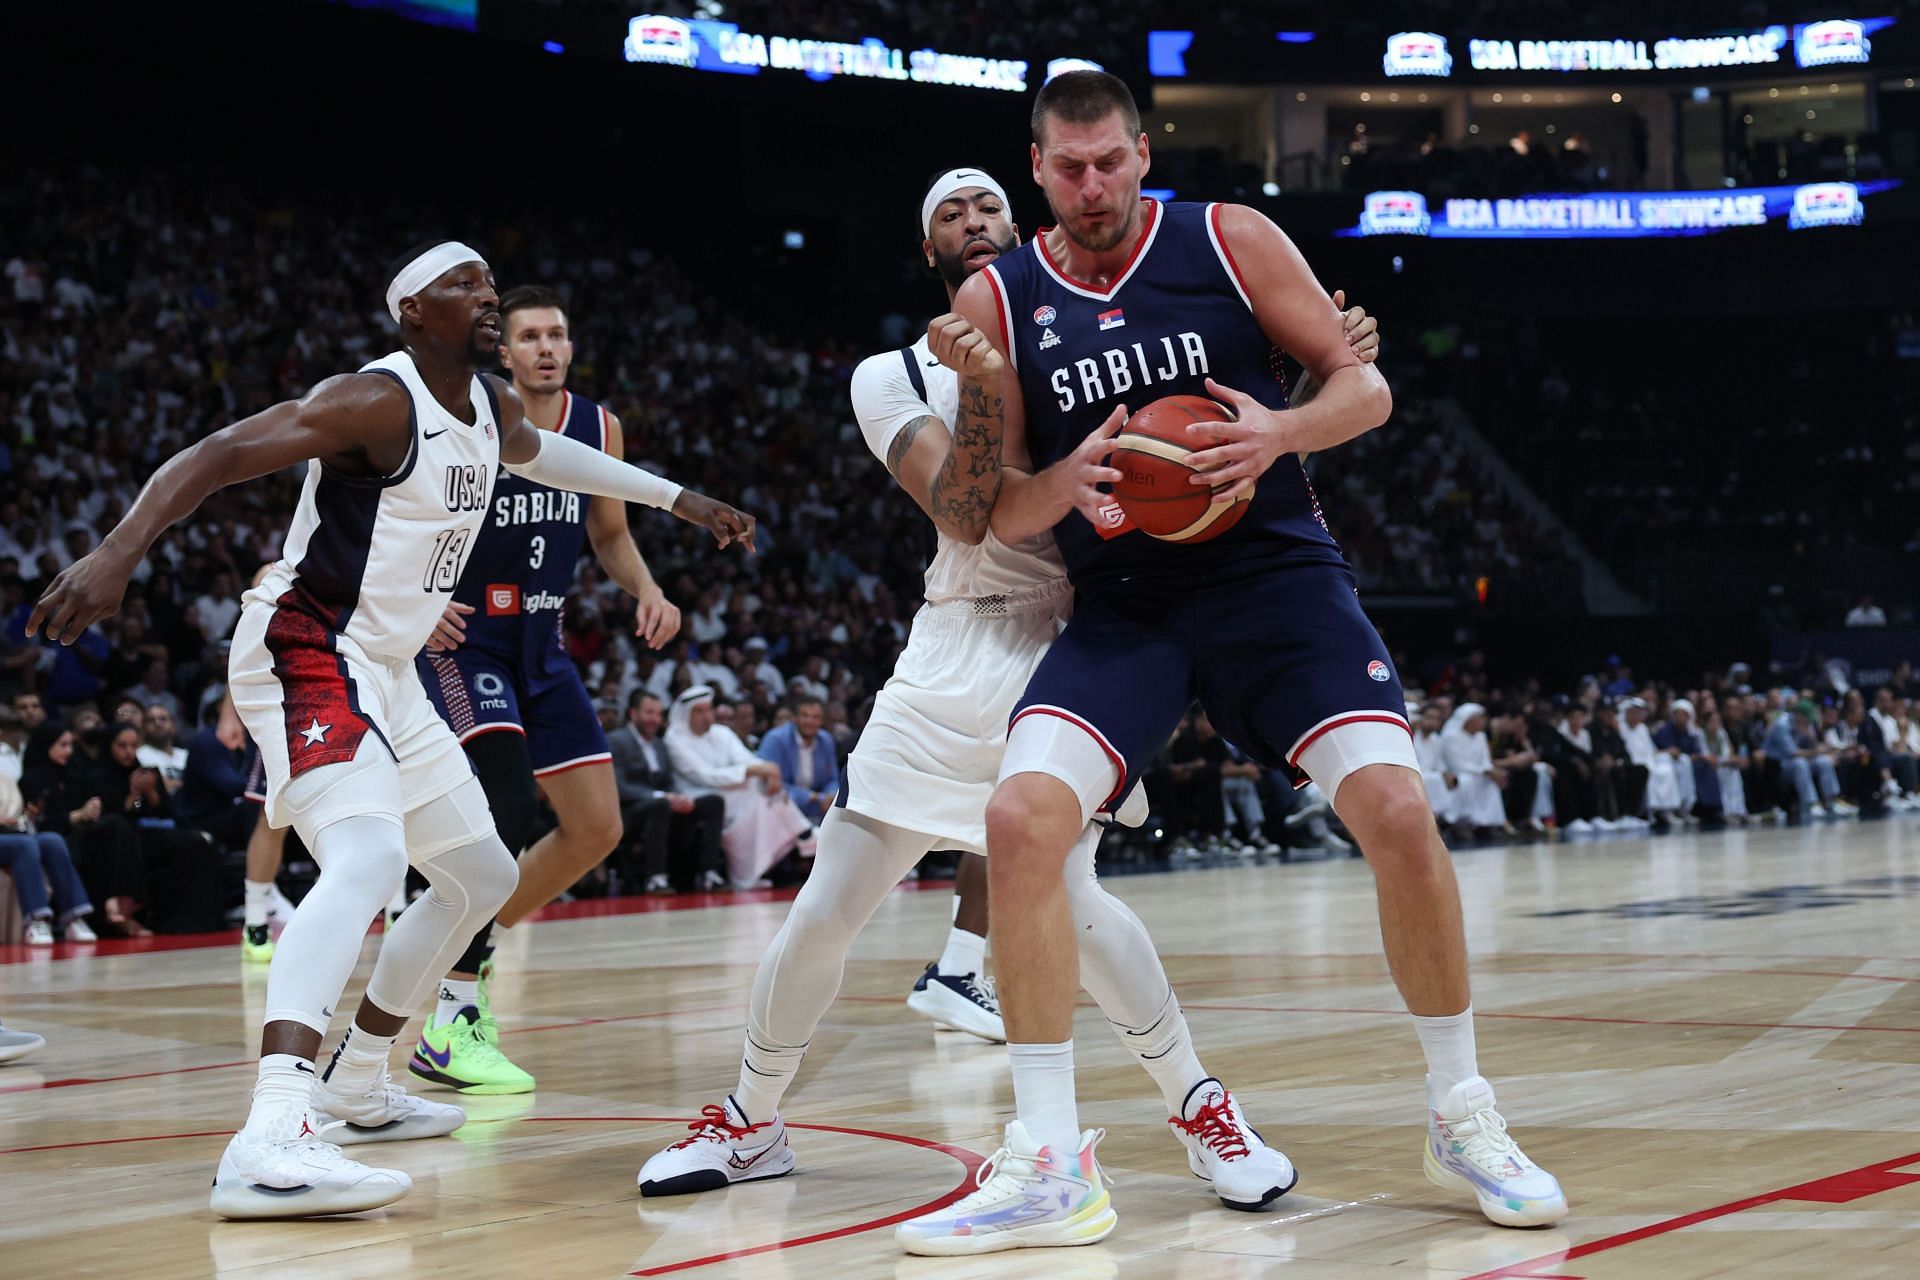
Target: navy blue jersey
x,y
522,567
1174,317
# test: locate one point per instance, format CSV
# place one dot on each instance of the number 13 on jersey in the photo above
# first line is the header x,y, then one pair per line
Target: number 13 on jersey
x,y
443,567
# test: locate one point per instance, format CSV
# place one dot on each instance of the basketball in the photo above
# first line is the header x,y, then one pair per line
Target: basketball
x,y
1156,488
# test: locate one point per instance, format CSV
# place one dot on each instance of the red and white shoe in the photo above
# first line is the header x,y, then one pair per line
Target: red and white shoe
x,y
724,1149
1224,1149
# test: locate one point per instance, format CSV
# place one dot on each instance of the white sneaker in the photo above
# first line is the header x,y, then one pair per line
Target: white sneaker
x,y
1028,1197
1468,1150
279,909
966,1003
18,1044
39,933
77,931
384,1113
298,1178
1579,827
720,1153
1222,1148
1841,809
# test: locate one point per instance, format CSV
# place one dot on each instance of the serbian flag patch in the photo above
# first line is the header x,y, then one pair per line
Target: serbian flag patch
x,y
1113,319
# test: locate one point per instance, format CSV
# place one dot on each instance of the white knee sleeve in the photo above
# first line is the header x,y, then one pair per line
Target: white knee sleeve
x,y
471,876
1040,742
363,863
857,864
1118,964
1344,750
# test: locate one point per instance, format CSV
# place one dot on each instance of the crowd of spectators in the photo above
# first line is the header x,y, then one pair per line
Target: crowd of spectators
x,y
1790,464
136,316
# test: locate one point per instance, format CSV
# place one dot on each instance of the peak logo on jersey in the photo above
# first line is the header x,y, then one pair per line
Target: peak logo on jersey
x,y
1113,319
1044,316
503,599
1377,671
1049,338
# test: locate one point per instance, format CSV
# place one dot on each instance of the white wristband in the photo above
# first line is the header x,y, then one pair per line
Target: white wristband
x,y
566,463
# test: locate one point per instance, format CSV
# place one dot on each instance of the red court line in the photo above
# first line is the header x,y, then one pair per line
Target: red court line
x,y
110,1142
583,909
1840,1188
1560,1017
970,1161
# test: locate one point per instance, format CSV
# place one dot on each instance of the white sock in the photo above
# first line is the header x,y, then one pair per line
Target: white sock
x,y
281,1093
765,1072
1165,1048
1043,1094
259,898
455,996
1448,1044
357,1062
966,953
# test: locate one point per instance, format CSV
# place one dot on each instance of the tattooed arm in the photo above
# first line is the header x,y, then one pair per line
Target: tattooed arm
x,y
962,492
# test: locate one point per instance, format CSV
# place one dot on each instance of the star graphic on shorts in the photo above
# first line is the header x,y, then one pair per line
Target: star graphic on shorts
x,y
316,732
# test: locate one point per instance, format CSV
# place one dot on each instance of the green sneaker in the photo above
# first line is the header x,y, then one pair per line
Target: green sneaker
x,y
256,945
489,1027
460,1056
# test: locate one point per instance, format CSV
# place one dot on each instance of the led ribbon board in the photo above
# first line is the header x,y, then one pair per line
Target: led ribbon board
x,y
1618,214
704,45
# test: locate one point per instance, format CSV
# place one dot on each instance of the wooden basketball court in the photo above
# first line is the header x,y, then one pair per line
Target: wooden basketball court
x,y
1711,1039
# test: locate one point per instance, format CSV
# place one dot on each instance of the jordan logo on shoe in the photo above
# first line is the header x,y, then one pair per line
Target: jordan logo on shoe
x,y
306,1128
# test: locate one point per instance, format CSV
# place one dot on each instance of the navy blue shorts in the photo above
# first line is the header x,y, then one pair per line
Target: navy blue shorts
x,y
478,693
1277,655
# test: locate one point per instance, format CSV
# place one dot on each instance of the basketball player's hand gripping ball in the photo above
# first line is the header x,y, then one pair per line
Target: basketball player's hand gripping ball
x,y
1249,443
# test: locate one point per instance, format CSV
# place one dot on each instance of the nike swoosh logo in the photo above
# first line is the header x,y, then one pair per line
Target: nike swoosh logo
x,y
733,1158
932,363
301,1066
442,431
437,1059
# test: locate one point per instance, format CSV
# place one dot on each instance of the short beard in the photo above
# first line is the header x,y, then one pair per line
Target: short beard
x,y
1119,231
954,270
481,358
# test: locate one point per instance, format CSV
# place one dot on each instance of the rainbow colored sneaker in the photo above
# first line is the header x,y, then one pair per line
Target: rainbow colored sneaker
x,y
1028,1198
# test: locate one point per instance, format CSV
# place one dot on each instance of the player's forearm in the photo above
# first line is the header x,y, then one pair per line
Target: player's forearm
x,y
964,490
1029,506
623,562
565,463
1353,401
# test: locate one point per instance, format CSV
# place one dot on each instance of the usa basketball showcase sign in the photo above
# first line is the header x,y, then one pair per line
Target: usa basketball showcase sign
x,y
705,45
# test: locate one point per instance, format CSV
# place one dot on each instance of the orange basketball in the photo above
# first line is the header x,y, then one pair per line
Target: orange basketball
x,y
1156,487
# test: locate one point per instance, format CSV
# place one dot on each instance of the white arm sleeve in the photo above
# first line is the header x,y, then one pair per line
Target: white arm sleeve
x,y
884,399
565,463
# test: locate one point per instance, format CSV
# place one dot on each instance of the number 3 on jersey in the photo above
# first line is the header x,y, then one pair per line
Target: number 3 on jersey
x,y
443,568
538,546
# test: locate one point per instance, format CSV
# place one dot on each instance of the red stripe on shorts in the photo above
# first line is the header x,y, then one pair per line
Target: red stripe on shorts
x,y
317,696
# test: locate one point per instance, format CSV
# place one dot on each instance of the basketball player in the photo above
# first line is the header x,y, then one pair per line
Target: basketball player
x,y
400,466
511,693
922,772
1144,300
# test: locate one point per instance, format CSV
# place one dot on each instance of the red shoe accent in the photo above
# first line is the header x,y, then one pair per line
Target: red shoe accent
x,y
714,1127
1215,1127
306,1129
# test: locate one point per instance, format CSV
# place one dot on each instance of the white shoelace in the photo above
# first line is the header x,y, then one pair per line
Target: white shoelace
x,y
983,990
1489,1143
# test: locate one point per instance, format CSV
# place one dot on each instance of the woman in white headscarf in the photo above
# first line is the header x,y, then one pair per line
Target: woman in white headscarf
x,y
1463,747
763,824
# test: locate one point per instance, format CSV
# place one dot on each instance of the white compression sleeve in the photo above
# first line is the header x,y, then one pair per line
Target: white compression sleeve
x,y
363,860
565,463
856,866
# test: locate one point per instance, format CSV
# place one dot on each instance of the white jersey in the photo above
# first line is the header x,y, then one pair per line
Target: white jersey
x,y
374,561
893,389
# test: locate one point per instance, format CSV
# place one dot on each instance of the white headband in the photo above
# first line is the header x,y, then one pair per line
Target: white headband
x,y
957,180
425,269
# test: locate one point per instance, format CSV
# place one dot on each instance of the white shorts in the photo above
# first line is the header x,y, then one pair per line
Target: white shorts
x,y
929,757
339,732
